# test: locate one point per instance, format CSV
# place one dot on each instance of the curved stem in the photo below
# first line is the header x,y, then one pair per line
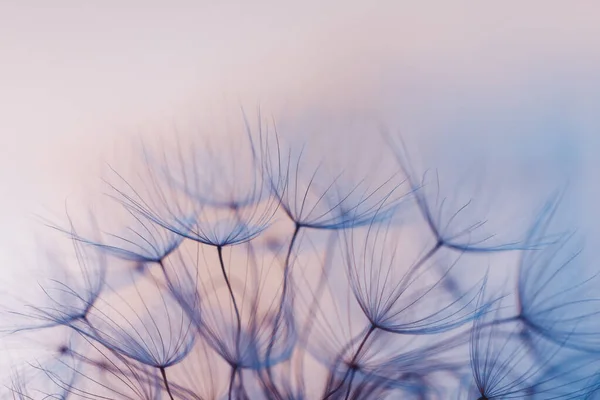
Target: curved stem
x,y
231,381
500,321
163,268
362,344
277,319
235,306
352,371
237,315
422,260
350,384
313,307
163,372
291,246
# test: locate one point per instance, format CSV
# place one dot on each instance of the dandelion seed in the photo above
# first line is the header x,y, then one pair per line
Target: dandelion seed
x,y
69,298
146,325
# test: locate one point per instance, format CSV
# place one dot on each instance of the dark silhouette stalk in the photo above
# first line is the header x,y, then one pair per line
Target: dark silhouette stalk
x,y
163,372
277,319
237,315
352,369
231,382
235,306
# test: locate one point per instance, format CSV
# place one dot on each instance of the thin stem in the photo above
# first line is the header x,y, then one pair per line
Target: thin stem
x,y
423,259
291,246
277,319
163,372
500,321
313,307
352,374
352,369
235,306
362,344
163,268
231,381
237,315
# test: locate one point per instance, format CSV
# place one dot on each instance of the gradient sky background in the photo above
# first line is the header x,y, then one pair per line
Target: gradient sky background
x,y
514,84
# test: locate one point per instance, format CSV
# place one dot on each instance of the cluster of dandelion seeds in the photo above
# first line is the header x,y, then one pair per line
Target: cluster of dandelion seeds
x,y
255,271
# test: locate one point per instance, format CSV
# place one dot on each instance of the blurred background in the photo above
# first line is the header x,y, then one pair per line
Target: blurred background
x,y
507,92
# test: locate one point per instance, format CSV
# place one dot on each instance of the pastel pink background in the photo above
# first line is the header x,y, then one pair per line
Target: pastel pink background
x,y
513,83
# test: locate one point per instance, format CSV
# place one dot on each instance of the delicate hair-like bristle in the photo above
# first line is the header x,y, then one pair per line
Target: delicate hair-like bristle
x,y
247,268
